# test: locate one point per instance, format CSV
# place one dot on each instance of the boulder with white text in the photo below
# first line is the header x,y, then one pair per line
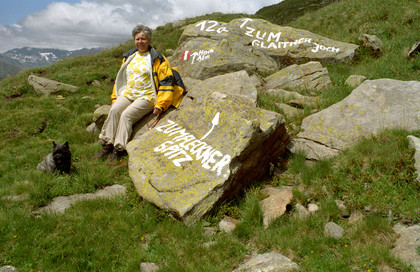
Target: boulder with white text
x,y
198,156
210,48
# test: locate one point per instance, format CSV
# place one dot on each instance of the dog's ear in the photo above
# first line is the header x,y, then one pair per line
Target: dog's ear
x,y
54,144
66,144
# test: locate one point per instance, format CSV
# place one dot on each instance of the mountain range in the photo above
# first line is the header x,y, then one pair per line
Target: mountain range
x,y
15,60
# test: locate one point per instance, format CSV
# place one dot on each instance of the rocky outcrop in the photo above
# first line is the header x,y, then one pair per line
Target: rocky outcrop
x,y
210,48
308,76
198,156
373,106
48,86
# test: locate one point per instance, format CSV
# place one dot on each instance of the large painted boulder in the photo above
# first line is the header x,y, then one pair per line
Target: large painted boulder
x,y
210,48
197,156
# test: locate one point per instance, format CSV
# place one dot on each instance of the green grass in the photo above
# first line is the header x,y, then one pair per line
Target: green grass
x,y
119,234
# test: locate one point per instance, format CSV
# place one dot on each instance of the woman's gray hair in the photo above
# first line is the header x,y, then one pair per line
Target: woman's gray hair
x,y
141,28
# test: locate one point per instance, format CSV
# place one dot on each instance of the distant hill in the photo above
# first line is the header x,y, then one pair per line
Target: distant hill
x,y
15,60
8,67
288,10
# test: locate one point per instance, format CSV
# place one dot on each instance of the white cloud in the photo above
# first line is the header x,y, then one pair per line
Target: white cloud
x,y
93,23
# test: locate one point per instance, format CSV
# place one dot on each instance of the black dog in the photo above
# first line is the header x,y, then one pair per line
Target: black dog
x,y
58,160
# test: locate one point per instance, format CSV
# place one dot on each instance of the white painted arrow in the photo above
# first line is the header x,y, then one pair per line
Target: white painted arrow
x,y
215,122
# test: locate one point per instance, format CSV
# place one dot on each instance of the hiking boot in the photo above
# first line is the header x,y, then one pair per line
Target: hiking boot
x,y
116,155
105,151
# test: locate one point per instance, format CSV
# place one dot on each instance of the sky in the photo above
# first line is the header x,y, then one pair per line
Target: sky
x,y
76,24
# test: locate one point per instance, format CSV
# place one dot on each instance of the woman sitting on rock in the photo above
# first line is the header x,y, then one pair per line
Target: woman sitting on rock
x,y
144,83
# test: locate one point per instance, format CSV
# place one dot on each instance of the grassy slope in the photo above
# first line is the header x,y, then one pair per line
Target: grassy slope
x,y
288,10
119,234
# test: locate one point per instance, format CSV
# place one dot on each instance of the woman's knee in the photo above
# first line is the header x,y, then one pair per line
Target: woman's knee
x,y
126,117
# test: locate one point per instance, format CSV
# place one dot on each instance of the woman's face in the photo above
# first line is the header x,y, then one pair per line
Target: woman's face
x,y
142,42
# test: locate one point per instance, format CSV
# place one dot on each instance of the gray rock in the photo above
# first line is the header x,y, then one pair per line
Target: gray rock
x,y
268,262
355,217
370,108
287,95
288,111
100,115
308,76
415,49
407,244
355,80
333,230
237,83
275,205
48,86
8,268
415,143
209,231
207,150
15,198
342,207
149,267
61,203
312,208
300,211
228,224
373,43
169,52
92,128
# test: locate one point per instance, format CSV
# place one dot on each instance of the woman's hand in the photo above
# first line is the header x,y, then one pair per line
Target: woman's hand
x,y
156,111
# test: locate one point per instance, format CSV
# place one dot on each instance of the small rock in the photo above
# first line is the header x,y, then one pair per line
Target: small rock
x,y
414,143
228,224
373,43
268,262
209,231
209,244
96,83
414,50
7,268
169,52
343,209
312,208
300,211
355,217
149,267
275,206
289,111
92,128
355,80
333,230
48,86
15,198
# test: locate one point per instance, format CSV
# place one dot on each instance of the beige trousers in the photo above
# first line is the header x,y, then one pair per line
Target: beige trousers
x,y
123,115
